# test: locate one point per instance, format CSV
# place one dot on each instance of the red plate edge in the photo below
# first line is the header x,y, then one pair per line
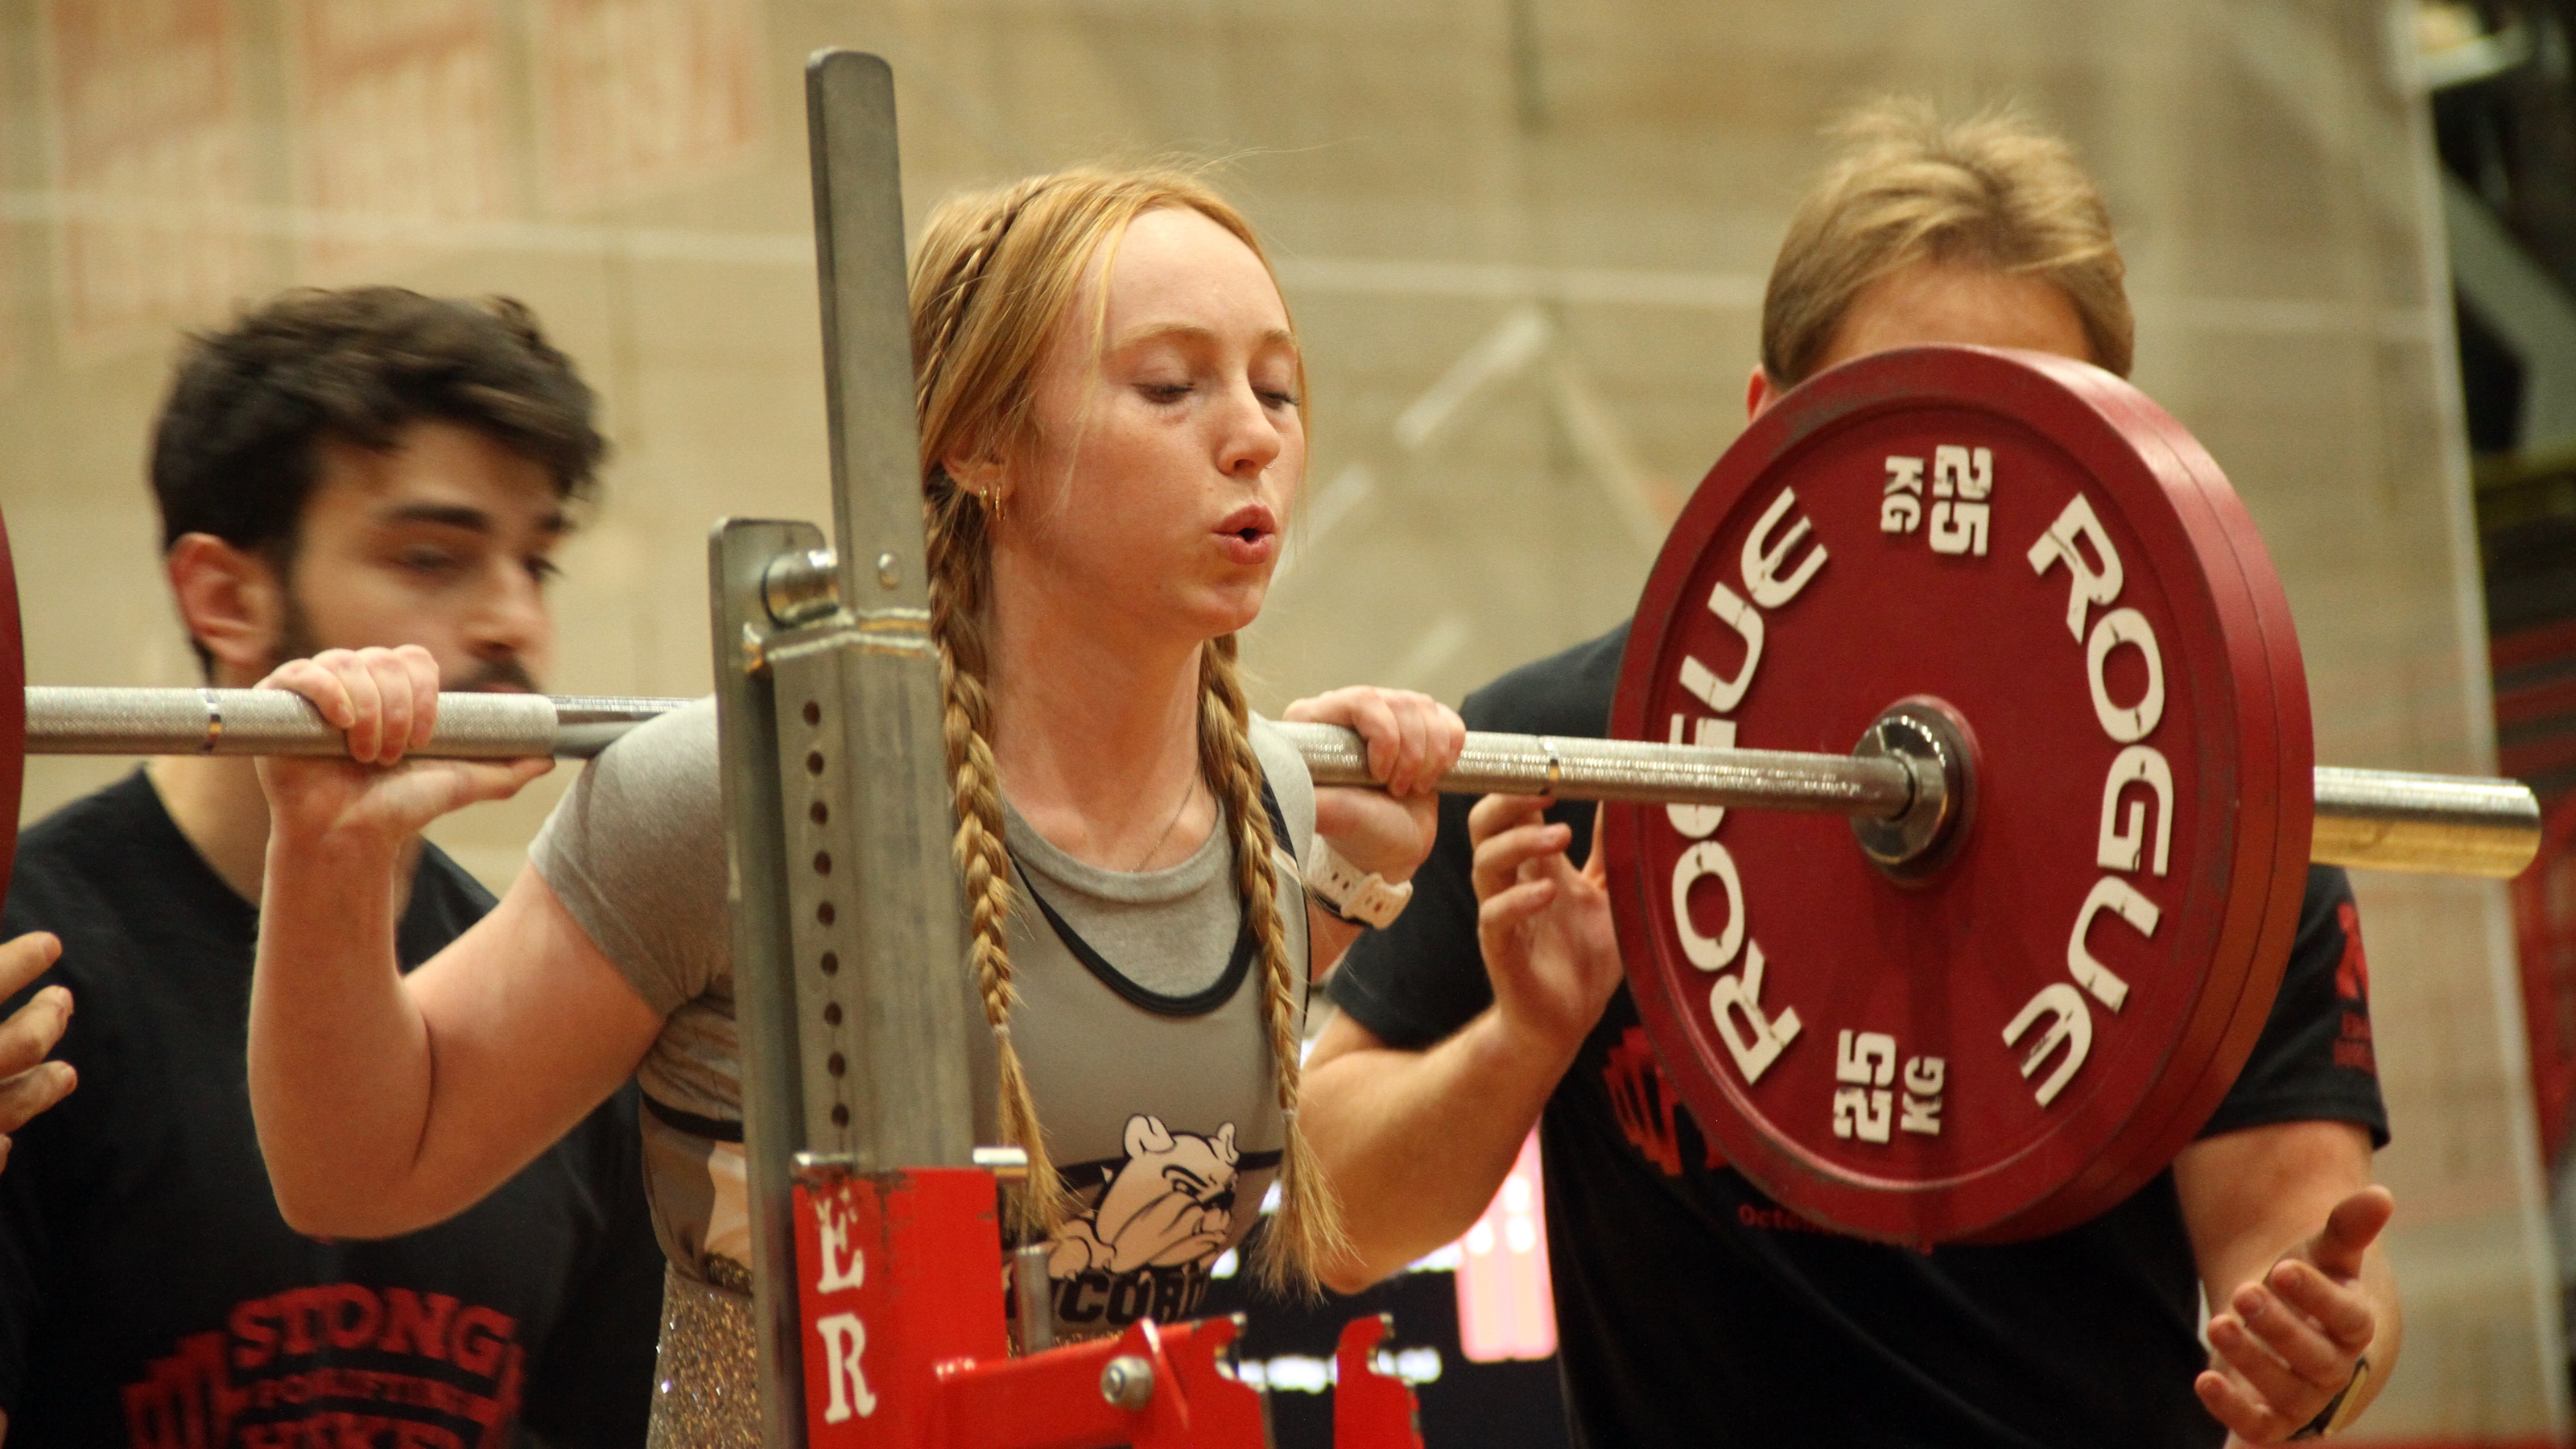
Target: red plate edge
x,y
1779,432
2217,1030
2222,511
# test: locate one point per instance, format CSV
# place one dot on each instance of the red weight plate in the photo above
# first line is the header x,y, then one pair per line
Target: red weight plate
x,y
2220,515
13,709
1874,1054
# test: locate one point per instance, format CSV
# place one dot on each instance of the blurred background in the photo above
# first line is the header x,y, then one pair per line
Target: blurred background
x,y
1526,242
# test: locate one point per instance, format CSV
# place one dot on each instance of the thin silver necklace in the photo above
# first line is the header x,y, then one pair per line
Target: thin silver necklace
x,y
1173,824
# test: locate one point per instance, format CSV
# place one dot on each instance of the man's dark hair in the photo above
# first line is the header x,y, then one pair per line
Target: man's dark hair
x,y
236,453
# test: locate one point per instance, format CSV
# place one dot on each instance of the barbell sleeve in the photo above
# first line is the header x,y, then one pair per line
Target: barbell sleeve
x,y
2446,824
2373,819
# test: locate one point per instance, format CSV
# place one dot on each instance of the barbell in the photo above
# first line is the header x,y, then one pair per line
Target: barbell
x,y
2080,807
2375,819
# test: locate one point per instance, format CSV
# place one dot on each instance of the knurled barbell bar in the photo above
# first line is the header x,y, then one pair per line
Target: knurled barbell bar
x,y
2384,819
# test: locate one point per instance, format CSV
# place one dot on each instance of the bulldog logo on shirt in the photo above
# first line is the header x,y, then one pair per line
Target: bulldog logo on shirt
x,y
1170,1203
1150,1225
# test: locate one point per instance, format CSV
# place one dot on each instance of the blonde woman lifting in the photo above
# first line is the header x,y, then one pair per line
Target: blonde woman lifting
x,y
1112,441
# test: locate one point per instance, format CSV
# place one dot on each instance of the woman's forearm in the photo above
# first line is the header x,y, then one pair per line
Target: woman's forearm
x,y
340,1066
1416,1143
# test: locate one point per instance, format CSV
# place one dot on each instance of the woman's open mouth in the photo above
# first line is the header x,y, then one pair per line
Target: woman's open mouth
x,y
1250,534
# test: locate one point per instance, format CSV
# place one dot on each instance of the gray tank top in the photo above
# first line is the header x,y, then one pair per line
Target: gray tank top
x,y
1139,1023
1146,1053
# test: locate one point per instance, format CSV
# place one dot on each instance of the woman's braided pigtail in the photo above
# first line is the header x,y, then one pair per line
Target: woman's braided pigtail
x,y
958,550
983,857
1308,1228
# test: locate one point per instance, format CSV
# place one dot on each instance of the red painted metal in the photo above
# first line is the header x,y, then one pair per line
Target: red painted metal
x,y
1222,1411
1937,970
1053,1400
899,1291
896,1274
1371,1410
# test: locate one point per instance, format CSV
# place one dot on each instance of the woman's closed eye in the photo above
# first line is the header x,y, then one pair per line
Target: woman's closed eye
x,y
1167,391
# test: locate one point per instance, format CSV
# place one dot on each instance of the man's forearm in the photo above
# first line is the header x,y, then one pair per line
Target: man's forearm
x,y
2254,1197
1416,1143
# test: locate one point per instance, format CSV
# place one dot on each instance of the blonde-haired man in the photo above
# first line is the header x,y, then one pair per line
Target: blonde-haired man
x,y
1691,1309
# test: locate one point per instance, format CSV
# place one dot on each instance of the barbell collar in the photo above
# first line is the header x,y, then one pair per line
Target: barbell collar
x,y
1933,743
2372,819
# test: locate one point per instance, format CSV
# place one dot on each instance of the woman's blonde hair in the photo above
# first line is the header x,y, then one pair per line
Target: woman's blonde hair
x,y
1994,191
994,277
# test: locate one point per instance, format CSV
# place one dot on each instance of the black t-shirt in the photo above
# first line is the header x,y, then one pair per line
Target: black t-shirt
x,y
150,1295
1692,1310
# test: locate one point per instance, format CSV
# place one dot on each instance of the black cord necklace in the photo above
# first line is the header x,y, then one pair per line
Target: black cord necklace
x,y
1247,944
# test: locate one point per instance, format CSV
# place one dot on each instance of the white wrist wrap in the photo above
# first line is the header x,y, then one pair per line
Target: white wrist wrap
x,y
1351,893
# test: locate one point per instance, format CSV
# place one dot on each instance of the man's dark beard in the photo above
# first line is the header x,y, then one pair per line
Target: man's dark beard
x,y
296,640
